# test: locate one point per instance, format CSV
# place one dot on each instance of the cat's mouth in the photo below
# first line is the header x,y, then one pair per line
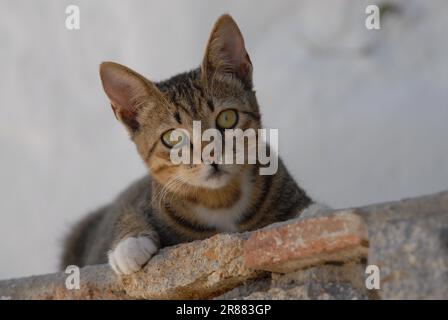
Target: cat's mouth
x,y
212,176
216,171
216,177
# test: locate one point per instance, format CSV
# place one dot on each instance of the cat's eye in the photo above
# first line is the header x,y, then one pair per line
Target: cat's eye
x,y
174,137
227,119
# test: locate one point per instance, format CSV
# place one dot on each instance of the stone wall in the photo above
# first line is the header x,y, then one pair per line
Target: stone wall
x,y
323,256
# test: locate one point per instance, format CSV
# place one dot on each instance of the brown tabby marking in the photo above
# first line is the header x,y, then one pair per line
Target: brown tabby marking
x,y
178,203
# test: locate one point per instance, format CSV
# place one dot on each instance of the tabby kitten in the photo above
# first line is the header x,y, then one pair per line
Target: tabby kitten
x,y
180,203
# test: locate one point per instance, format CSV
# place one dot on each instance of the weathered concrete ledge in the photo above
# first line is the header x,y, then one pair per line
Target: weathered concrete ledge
x,y
96,282
340,237
318,257
196,270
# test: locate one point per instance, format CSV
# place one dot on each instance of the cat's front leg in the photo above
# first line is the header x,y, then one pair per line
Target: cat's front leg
x,y
136,242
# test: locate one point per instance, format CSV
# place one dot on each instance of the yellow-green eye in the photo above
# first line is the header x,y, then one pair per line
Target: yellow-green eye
x,y
173,137
227,119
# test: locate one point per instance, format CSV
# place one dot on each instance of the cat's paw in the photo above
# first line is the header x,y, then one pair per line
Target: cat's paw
x,y
131,254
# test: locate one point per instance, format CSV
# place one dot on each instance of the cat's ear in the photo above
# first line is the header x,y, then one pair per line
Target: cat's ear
x,y
128,92
226,52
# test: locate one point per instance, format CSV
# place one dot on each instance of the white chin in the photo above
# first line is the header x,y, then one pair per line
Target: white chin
x,y
212,182
216,183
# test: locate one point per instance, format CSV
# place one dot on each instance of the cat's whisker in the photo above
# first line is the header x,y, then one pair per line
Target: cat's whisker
x,y
180,183
171,184
160,194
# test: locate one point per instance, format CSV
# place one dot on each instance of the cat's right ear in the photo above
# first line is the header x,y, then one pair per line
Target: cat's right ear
x,y
128,93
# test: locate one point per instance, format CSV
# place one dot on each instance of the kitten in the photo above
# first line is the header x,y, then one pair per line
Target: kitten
x,y
180,203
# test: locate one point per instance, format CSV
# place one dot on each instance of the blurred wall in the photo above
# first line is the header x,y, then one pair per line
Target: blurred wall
x,y
362,115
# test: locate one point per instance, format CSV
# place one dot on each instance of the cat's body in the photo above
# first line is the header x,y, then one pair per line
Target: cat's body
x,y
183,202
91,240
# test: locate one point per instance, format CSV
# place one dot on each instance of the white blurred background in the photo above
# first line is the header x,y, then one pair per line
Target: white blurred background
x,y
362,115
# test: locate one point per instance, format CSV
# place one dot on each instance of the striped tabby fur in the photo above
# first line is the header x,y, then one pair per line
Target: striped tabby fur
x,y
178,203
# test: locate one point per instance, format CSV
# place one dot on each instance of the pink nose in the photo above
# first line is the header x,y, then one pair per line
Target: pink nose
x,y
210,159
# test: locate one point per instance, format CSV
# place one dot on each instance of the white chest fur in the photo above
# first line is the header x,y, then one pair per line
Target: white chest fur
x,y
225,220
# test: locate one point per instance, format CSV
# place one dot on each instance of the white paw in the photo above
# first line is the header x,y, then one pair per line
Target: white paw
x,y
131,254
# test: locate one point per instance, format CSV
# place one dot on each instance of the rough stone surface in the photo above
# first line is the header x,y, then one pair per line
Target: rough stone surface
x,y
324,282
298,244
196,270
409,243
96,282
261,284
308,258
200,269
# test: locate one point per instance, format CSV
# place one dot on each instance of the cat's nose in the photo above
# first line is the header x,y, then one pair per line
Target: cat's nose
x,y
215,167
211,158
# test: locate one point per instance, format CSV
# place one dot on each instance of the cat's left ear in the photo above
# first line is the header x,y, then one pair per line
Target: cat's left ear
x,y
226,53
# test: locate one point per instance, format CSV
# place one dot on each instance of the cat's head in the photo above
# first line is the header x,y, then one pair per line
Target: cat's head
x,y
219,94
